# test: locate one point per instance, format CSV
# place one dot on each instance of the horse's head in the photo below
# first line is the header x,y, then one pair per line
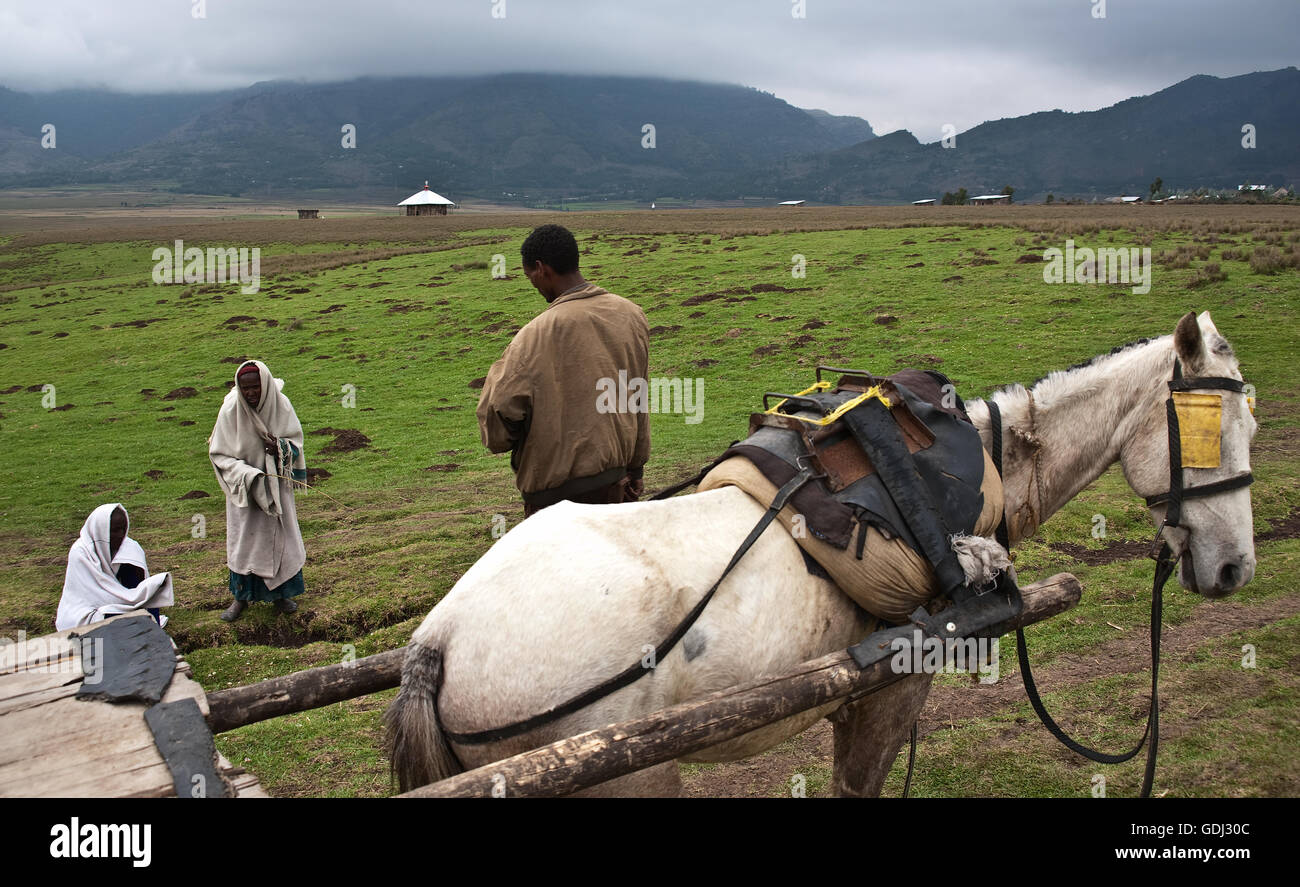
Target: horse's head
x,y
1215,537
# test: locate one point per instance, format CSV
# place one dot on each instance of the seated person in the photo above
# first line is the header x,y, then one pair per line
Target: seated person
x,y
107,574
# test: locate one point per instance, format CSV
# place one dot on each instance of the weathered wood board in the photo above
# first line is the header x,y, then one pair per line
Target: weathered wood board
x,y
54,745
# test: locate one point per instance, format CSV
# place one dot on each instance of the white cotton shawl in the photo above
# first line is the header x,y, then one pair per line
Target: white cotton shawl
x,y
91,591
262,535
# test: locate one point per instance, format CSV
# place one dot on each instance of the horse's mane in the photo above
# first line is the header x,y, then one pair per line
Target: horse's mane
x,y
1016,389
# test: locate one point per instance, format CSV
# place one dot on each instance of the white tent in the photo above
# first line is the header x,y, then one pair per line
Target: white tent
x,y
426,202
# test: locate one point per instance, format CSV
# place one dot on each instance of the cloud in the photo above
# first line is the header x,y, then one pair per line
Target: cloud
x,y
916,65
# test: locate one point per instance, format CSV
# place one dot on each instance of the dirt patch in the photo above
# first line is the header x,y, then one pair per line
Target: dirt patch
x,y
658,330
956,278
346,440
448,466
155,474
14,389
328,310
194,494
180,393
814,325
710,297
764,350
238,318
774,288
138,324
314,475
1028,258
477,383
885,319
1115,551
66,406
230,360
1286,528
915,265
705,363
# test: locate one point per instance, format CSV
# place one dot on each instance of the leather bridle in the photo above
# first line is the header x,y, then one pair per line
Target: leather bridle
x,y
1173,498
1160,551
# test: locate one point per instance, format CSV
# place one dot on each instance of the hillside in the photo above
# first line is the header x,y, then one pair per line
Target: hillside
x,y
1190,135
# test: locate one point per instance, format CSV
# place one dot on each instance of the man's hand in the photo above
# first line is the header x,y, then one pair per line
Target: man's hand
x,y
271,445
637,487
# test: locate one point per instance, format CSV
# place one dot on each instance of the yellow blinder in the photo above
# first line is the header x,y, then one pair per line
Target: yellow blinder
x,y
1199,420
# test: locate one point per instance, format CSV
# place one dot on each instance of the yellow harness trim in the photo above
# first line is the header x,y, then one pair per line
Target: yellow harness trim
x,y
872,392
1199,422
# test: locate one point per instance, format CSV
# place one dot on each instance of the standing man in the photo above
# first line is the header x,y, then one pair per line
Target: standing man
x,y
540,399
256,451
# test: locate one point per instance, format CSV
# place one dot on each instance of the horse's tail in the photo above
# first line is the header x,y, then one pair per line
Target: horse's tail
x,y
417,749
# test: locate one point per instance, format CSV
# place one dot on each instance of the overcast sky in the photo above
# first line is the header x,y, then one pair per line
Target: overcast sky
x,y
901,64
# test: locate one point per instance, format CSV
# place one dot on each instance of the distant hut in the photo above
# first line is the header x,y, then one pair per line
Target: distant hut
x,y
990,199
309,214
426,203
929,201
792,203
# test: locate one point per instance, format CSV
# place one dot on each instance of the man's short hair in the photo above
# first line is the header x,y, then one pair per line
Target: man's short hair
x,y
552,245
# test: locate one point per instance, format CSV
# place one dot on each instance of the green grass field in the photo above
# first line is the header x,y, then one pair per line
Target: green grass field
x,y
139,370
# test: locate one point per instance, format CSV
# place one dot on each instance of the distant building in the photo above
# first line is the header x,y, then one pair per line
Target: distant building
x,y
929,201
1252,187
1281,193
792,203
426,203
983,199
309,214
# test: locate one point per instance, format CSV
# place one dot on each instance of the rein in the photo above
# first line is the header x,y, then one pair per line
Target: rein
x,y
1165,565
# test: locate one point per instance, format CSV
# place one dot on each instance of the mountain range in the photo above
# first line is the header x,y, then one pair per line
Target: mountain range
x,y
522,137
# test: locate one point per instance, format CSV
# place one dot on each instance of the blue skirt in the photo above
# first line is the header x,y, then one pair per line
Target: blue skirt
x,y
253,588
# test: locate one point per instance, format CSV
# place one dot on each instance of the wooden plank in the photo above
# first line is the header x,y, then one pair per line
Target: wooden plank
x,y
304,690
599,755
41,650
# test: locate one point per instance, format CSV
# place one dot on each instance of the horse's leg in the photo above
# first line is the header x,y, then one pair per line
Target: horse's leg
x,y
869,733
660,781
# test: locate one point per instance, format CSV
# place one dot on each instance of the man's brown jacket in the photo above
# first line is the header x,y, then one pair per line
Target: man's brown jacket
x,y
540,398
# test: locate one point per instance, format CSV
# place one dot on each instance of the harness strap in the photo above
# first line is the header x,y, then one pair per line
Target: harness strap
x,y
1164,569
693,480
876,431
1221,486
995,428
635,671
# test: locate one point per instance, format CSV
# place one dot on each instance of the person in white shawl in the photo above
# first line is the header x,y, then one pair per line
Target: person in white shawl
x,y
107,573
256,451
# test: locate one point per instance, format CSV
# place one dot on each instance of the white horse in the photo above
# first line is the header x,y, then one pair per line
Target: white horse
x,y
577,593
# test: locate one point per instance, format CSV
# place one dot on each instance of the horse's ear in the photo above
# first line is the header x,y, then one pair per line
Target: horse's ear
x,y
1188,343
